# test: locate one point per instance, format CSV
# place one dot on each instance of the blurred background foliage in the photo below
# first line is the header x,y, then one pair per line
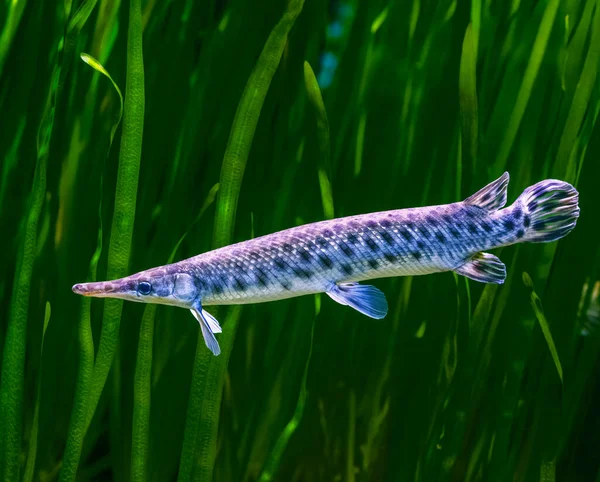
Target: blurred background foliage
x,y
425,101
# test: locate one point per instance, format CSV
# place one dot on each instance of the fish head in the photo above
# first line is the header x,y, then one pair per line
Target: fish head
x,y
152,286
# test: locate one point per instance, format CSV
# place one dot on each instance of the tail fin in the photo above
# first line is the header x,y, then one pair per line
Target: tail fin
x,y
550,210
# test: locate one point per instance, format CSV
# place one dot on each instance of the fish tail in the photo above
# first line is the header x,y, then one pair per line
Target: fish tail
x,y
548,211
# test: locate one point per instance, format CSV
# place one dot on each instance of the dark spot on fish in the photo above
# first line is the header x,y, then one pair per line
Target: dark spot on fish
x,y
302,273
509,224
280,263
287,247
352,238
305,255
387,237
472,228
217,288
486,197
253,255
390,257
371,244
262,277
420,245
346,250
409,225
321,241
239,284
385,223
286,285
526,221
486,227
325,261
405,234
426,234
338,228
549,206
517,213
346,268
520,233
201,284
470,214
373,263
328,233
440,237
560,195
454,232
447,218
371,224
539,225
417,255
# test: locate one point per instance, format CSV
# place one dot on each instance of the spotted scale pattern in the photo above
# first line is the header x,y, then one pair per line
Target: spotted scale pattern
x,y
308,259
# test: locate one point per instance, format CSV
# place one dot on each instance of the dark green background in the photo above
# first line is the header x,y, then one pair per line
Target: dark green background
x,y
457,383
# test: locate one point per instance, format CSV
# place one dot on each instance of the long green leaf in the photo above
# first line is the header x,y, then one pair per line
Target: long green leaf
x,y
282,442
536,304
121,233
533,67
33,441
141,398
581,100
468,100
13,363
324,169
199,444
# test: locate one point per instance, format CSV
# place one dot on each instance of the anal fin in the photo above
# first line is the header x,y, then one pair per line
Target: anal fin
x,y
366,299
207,332
483,267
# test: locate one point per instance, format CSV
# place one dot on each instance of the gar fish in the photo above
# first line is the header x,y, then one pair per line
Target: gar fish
x,y
333,256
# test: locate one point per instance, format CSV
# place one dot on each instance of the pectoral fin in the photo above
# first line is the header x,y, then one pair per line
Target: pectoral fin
x,y
207,332
367,299
212,322
483,267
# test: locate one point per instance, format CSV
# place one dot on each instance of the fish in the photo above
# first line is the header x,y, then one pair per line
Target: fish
x,y
335,256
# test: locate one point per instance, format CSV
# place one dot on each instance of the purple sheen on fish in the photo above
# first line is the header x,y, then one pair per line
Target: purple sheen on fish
x,y
334,256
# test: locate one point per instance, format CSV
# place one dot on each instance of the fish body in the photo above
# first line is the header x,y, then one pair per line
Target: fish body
x,y
334,256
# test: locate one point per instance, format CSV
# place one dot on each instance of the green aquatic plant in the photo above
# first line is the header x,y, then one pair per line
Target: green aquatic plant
x,y
257,117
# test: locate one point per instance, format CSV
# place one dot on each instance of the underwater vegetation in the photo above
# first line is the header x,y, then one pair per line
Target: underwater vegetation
x,y
134,134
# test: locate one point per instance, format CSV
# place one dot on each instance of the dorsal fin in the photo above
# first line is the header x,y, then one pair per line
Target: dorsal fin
x,y
493,196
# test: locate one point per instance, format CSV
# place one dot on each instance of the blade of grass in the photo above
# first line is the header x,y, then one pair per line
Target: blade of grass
x,y
324,169
533,66
468,101
536,304
275,459
13,18
581,100
32,453
141,398
199,443
79,414
13,363
119,248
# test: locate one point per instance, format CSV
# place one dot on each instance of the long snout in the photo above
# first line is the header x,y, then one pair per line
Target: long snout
x,y
101,289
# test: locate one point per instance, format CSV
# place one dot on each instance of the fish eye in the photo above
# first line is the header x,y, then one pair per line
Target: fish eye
x,y
144,288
